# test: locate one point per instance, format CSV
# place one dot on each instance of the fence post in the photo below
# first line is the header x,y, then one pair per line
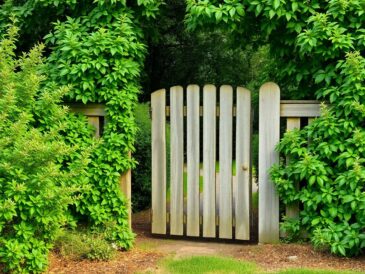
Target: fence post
x,y
269,136
126,187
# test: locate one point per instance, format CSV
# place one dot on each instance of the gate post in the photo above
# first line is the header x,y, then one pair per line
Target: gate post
x,y
269,136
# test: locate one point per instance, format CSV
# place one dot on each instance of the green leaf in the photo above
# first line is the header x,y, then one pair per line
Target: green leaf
x,y
218,15
333,212
276,4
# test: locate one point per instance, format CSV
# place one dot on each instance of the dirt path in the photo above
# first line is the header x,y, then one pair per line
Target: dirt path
x,y
149,250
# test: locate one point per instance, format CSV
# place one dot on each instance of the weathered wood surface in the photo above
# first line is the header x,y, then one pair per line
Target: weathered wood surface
x,y
88,109
243,164
177,161
225,162
269,136
95,122
126,188
158,103
192,225
292,210
300,109
209,158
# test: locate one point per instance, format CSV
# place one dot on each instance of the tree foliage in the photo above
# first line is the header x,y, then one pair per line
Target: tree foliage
x,y
319,45
208,55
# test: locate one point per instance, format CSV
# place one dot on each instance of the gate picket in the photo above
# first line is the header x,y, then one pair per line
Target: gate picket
x,y
193,118
243,164
177,161
225,162
158,103
209,157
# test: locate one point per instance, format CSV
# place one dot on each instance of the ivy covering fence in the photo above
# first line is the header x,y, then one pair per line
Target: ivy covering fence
x,y
94,52
318,45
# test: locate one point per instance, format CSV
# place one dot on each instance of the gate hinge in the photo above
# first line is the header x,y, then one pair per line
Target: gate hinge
x,y
168,217
184,219
217,220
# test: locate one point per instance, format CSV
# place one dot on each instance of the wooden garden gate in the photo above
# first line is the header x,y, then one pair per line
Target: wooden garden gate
x,y
198,201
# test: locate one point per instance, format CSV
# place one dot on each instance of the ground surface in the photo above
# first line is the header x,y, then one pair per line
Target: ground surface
x,y
149,251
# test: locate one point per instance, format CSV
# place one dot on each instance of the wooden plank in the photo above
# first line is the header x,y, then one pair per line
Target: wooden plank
x,y
95,122
292,210
126,188
225,162
88,109
300,102
192,226
243,164
209,158
177,161
269,135
158,103
300,110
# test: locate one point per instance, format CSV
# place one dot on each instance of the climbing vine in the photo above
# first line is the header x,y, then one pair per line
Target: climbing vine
x,y
318,46
97,50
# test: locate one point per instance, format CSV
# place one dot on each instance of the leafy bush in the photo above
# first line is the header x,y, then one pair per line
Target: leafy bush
x,y
35,189
330,168
98,48
84,244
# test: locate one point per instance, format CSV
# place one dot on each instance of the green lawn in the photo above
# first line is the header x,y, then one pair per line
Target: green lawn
x,y
216,265
201,264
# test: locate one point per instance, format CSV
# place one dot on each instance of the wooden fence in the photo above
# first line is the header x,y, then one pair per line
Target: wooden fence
x,y
271,109
224,210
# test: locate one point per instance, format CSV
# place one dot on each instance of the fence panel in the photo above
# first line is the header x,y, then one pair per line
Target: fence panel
x,y
225,162
193,178
243,162
209,158
158,103
177,160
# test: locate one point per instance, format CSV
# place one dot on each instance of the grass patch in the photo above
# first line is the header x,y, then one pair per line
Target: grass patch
x,y
202,264
217,265
315,271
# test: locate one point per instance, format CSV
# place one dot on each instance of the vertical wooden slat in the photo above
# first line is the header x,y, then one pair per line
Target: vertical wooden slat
x,y
177,160
225,162
95,122
193,160
243,164
158,103
269,135
292,210
209,158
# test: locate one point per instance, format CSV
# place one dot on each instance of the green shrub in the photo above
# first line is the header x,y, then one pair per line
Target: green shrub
x,y
330,167
35,189
84,244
